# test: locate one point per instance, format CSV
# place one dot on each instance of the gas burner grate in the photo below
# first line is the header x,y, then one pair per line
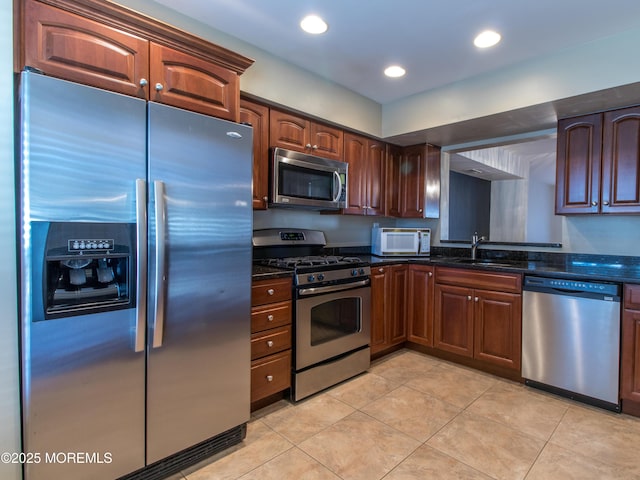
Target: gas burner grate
x,y
310,261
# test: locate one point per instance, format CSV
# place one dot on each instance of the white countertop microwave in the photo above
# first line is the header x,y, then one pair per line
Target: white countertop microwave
x,y
389,241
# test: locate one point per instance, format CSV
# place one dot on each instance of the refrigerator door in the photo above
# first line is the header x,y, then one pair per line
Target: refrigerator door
x,y
82,380
200,224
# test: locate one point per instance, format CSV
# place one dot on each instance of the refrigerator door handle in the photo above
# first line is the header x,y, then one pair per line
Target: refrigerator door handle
x,y
141,264
161,234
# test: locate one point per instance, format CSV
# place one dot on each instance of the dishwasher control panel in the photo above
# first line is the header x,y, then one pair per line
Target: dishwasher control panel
x,y
572,285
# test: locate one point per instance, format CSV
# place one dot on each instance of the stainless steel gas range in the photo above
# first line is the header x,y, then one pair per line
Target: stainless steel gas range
x,y
332,315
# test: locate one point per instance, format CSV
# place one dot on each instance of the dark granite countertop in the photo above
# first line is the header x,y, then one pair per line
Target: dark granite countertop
x,y
261,272
589,269
610,268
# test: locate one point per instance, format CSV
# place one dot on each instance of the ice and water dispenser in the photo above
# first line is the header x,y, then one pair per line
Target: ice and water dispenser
x,y
86,268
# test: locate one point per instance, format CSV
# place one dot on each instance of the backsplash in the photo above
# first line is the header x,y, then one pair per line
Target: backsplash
x,y
589,234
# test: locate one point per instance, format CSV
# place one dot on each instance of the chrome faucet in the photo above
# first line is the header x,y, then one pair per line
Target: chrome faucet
x,y
475,241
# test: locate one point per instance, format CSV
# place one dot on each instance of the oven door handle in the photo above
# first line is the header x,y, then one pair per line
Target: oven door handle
x,y
333,288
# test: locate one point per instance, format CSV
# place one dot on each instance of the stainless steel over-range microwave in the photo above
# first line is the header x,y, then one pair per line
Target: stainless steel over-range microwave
x,y
301,180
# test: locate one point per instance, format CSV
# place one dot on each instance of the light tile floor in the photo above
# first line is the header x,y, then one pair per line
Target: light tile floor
x,y
415,417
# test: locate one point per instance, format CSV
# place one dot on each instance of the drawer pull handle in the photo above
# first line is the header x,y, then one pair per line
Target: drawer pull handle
x,y
269,343
270,318
269,378
271,291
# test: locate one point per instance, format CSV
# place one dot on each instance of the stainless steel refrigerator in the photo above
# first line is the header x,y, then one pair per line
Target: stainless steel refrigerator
x,y
136,224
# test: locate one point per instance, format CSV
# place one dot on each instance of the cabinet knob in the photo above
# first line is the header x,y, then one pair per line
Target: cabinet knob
x,y
594,204
271,291
476,299
159,87
315,147
270,318
430,274
420,210
308,145
265,199
269,343
605,203
469,297
381,270
144,82
269,378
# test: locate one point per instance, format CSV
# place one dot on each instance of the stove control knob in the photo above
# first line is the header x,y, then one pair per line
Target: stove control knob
x,y
361,271
321,277
354,272
310,278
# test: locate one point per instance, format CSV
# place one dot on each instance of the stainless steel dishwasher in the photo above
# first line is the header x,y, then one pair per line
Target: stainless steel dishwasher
x,y
571,339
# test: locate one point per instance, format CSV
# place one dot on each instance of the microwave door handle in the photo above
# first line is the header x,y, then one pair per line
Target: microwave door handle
x,y
339,190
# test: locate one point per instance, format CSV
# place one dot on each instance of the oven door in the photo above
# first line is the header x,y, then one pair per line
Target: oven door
x,y
330,323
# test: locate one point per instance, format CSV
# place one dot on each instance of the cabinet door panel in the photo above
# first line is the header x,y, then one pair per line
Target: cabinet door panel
x,y
578,164
326,141
193,84
392,181
398,323
497,335
412,171
420,305
377,155
69,46
380,287
630,356
453,324
621,161
355,155
258,116
288,131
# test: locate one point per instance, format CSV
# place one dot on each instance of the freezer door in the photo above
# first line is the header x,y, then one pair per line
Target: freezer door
x,y
200,224
82,380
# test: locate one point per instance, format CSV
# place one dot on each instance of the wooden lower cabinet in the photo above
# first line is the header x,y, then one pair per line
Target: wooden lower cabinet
x,y
271,338
420,305
630,352
388,306
479,323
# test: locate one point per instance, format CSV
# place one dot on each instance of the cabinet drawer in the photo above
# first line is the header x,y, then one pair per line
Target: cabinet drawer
x,y
269,342
632,296
270,375
502,282
269,291
270,316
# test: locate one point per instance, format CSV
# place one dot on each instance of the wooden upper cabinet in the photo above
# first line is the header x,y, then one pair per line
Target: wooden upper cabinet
x,y
413,181
75,48
109,46
258,116
186,81
326,141
598,163
366,159
392,181
578,164
288,131
300,134
621,161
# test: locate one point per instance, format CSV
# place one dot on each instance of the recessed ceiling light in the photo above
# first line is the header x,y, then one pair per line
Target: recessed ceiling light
x,y
486,39
313,24
394,71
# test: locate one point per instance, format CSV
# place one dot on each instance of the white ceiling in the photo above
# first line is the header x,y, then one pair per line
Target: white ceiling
x,y
432,39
